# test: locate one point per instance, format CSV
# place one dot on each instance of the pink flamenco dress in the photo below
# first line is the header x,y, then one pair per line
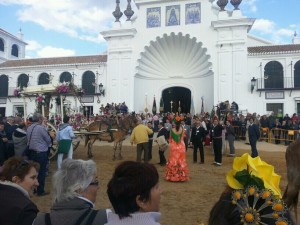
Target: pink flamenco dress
x,y
176,168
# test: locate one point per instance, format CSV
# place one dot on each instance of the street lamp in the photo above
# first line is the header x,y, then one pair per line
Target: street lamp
x,y
253,83
101,90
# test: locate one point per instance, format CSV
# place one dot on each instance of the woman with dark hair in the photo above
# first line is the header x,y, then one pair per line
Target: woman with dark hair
x,y
18,181
134,193
176,168
252,196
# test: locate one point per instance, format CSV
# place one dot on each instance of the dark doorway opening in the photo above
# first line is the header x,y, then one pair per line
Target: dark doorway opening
x,y
180,98
2,111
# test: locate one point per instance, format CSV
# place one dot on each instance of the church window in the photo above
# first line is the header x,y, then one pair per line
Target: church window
x,y
88,82
3,86
65,77
273,75
23,80
297,75
1,45
15,50
43,79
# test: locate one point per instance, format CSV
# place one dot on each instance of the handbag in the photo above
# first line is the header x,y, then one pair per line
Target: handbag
x,y
27,151
162,143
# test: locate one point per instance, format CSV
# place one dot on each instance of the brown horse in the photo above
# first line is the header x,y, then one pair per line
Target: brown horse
x,y
111,130
291,193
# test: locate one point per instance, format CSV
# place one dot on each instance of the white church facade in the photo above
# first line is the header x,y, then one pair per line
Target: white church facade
x,y
182,52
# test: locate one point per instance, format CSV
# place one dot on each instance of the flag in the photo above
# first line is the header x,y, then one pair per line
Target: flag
x,y
161,105
192,107
202,106
154,106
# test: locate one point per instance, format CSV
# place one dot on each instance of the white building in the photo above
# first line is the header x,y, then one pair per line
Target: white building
x,y
178,51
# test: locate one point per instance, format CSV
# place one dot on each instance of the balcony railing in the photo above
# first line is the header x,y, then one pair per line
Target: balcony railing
x,y
286,83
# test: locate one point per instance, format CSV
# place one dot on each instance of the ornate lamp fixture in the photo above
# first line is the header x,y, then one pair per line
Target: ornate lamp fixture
x,y
101,90
253,83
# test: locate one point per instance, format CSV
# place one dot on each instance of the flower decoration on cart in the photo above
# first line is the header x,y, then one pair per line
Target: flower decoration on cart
x,y
76,121
80,91
63,88
77,91
17,92
40,99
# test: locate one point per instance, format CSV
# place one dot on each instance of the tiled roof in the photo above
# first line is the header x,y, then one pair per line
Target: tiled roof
x,y
55,61
274,49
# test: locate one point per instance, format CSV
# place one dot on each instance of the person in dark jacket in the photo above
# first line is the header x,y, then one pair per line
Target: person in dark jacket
x,y
3,143
10,128
216,134
150,142
162,131
230,136
18,181
197,138
254,135
20,140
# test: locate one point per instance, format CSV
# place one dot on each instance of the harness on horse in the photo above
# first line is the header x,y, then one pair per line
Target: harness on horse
x,y
109,128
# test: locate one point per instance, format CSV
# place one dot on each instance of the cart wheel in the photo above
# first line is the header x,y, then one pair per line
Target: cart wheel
x,y
53,152
75,145
52,132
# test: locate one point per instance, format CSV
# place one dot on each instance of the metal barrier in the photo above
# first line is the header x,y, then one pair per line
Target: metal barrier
x,y
274,135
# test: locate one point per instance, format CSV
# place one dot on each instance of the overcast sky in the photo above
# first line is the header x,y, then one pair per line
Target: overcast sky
x,y
71,27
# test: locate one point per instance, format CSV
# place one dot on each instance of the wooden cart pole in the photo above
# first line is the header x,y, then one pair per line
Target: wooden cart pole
x,y
25,109
43,110
61,107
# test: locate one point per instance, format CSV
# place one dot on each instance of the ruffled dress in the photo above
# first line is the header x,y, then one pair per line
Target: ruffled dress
x,y
176,167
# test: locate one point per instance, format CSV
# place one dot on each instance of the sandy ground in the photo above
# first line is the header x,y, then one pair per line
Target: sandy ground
x,y
181,203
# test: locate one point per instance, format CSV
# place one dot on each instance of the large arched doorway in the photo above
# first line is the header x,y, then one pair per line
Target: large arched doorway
x,y
178,97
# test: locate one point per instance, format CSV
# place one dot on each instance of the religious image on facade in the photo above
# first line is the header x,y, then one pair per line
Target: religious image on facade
x,y
192,13
153,17
173,15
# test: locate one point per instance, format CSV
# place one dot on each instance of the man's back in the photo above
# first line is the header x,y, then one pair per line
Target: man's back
x,y
140,134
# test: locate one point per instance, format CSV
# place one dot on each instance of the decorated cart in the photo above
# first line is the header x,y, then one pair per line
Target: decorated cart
x,y
43,95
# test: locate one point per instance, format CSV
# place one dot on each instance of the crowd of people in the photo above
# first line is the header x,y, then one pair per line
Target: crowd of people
x,y
133,190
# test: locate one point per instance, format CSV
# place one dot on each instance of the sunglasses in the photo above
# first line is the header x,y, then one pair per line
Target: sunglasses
x,y
94,183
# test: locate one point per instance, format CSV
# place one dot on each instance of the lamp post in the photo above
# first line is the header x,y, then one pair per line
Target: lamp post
x,y
100,92
253,83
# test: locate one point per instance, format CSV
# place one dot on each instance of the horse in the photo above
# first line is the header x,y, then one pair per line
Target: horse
x,y
111,130
291,193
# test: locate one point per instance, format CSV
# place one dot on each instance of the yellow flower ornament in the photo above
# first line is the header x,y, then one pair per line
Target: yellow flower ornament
x,y
248,171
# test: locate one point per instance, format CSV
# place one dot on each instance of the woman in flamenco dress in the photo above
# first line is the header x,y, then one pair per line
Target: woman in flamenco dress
x,y
176,168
